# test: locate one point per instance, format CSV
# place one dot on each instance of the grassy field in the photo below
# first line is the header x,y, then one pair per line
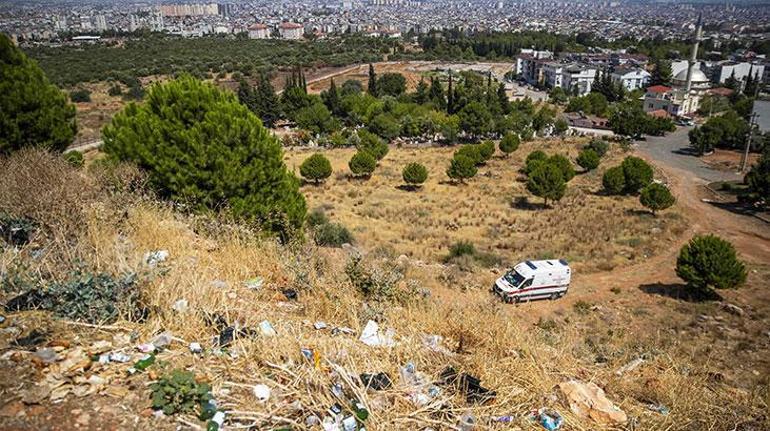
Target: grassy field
x,y
494,211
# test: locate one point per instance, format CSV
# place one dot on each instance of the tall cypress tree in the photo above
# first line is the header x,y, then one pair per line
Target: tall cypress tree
x,y
331,99
267,100
421,93
450,97
372,86
437,94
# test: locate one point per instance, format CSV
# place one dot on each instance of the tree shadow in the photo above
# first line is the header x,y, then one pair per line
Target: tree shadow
x,y
407,188
639,212
680,291
741,208
686,151
523,203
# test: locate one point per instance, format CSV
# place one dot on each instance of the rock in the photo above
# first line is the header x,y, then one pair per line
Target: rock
x,y
588,400
46,355
11,409
262,393
162,340
83,419
219,284
35,394
153,258
732,309
100,347
180,306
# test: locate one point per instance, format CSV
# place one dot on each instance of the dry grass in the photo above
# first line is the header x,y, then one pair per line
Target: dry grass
x,y
523,364
494,210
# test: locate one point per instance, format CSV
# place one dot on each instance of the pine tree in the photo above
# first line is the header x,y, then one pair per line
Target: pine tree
x,y
331,99
267,100
502,99
202,147
661,73
33,112
421,92
372,86
246,96
437,94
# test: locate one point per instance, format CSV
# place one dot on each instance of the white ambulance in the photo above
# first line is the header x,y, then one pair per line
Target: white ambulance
x,y
534,279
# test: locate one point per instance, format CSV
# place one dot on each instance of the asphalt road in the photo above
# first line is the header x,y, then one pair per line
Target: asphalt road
x,y
674,150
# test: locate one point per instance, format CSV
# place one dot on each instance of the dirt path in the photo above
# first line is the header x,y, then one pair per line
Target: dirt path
x,y
750,236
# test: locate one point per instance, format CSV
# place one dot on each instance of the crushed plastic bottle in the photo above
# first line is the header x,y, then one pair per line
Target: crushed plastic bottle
x,y
142,364
361,412
467,422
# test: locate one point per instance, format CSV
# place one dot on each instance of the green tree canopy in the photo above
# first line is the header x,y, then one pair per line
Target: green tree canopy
x,y
316,168
708,261
414,174
461,168
546,181
588,159
637,173
33,112
475,118
362,164
758,178
202,147
656,197
509,143
391,84
614,181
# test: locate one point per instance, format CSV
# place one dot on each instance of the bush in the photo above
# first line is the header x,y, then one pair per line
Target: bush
x,y
316,168
758,178
461,168
588,159
94,298
533,159
637,174
600,146
472,152
317,217
115,90
656,197
362,164
80,96
378,280
185,125
509,143
372,144
461,248
179,392
614,181
34,111
16,231
332,235
74,158
564,165
547,181
710,262
414,174
486,150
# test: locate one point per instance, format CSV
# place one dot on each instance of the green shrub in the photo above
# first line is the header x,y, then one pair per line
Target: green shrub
x,y
564,166
414,174
547,181
656,197
362,164
115,90
472,152
614,181
461,168
509,143
379,280
588,160
184,127
80,96
33,112
179,392
94,298
600,146
317,217
461,248
710,262
332,235
316,168
637,174
372,144
486,150
533,159
74,158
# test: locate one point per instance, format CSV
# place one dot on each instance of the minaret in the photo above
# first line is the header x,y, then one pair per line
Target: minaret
x,y
694,55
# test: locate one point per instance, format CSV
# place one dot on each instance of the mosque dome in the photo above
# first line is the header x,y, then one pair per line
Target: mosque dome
x,y
699,79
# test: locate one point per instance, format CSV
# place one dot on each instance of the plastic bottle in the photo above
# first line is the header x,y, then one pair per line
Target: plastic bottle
x,y
467,422
361,412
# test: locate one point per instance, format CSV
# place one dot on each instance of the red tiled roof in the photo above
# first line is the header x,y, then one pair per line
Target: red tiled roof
x,y
721,91
257,27
658,89
290,25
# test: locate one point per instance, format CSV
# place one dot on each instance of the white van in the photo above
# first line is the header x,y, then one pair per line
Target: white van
x,y
534,279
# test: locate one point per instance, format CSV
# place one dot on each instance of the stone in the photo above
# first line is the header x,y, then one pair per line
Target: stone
x,y
11,409
732,309
587,400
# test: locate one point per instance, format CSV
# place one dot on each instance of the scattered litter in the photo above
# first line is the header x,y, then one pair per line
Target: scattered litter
x,y
349,423
153,258
337,390
312,356
343,330
290,294
117,357
219,284
548,419
34,338
418,382
732,309
470,385
2,319
331,424
629,366
312,421
255,283
378,382
96,380
502,419
180,306
467,422
320,325
659,408
142,364
228,334
162,340
46,355
196,348
262,392
216,421
433,342
589,400
267,329
371,335
146,347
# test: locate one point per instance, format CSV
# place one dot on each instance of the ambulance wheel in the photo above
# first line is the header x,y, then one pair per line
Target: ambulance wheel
x,y
507,299
554,296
